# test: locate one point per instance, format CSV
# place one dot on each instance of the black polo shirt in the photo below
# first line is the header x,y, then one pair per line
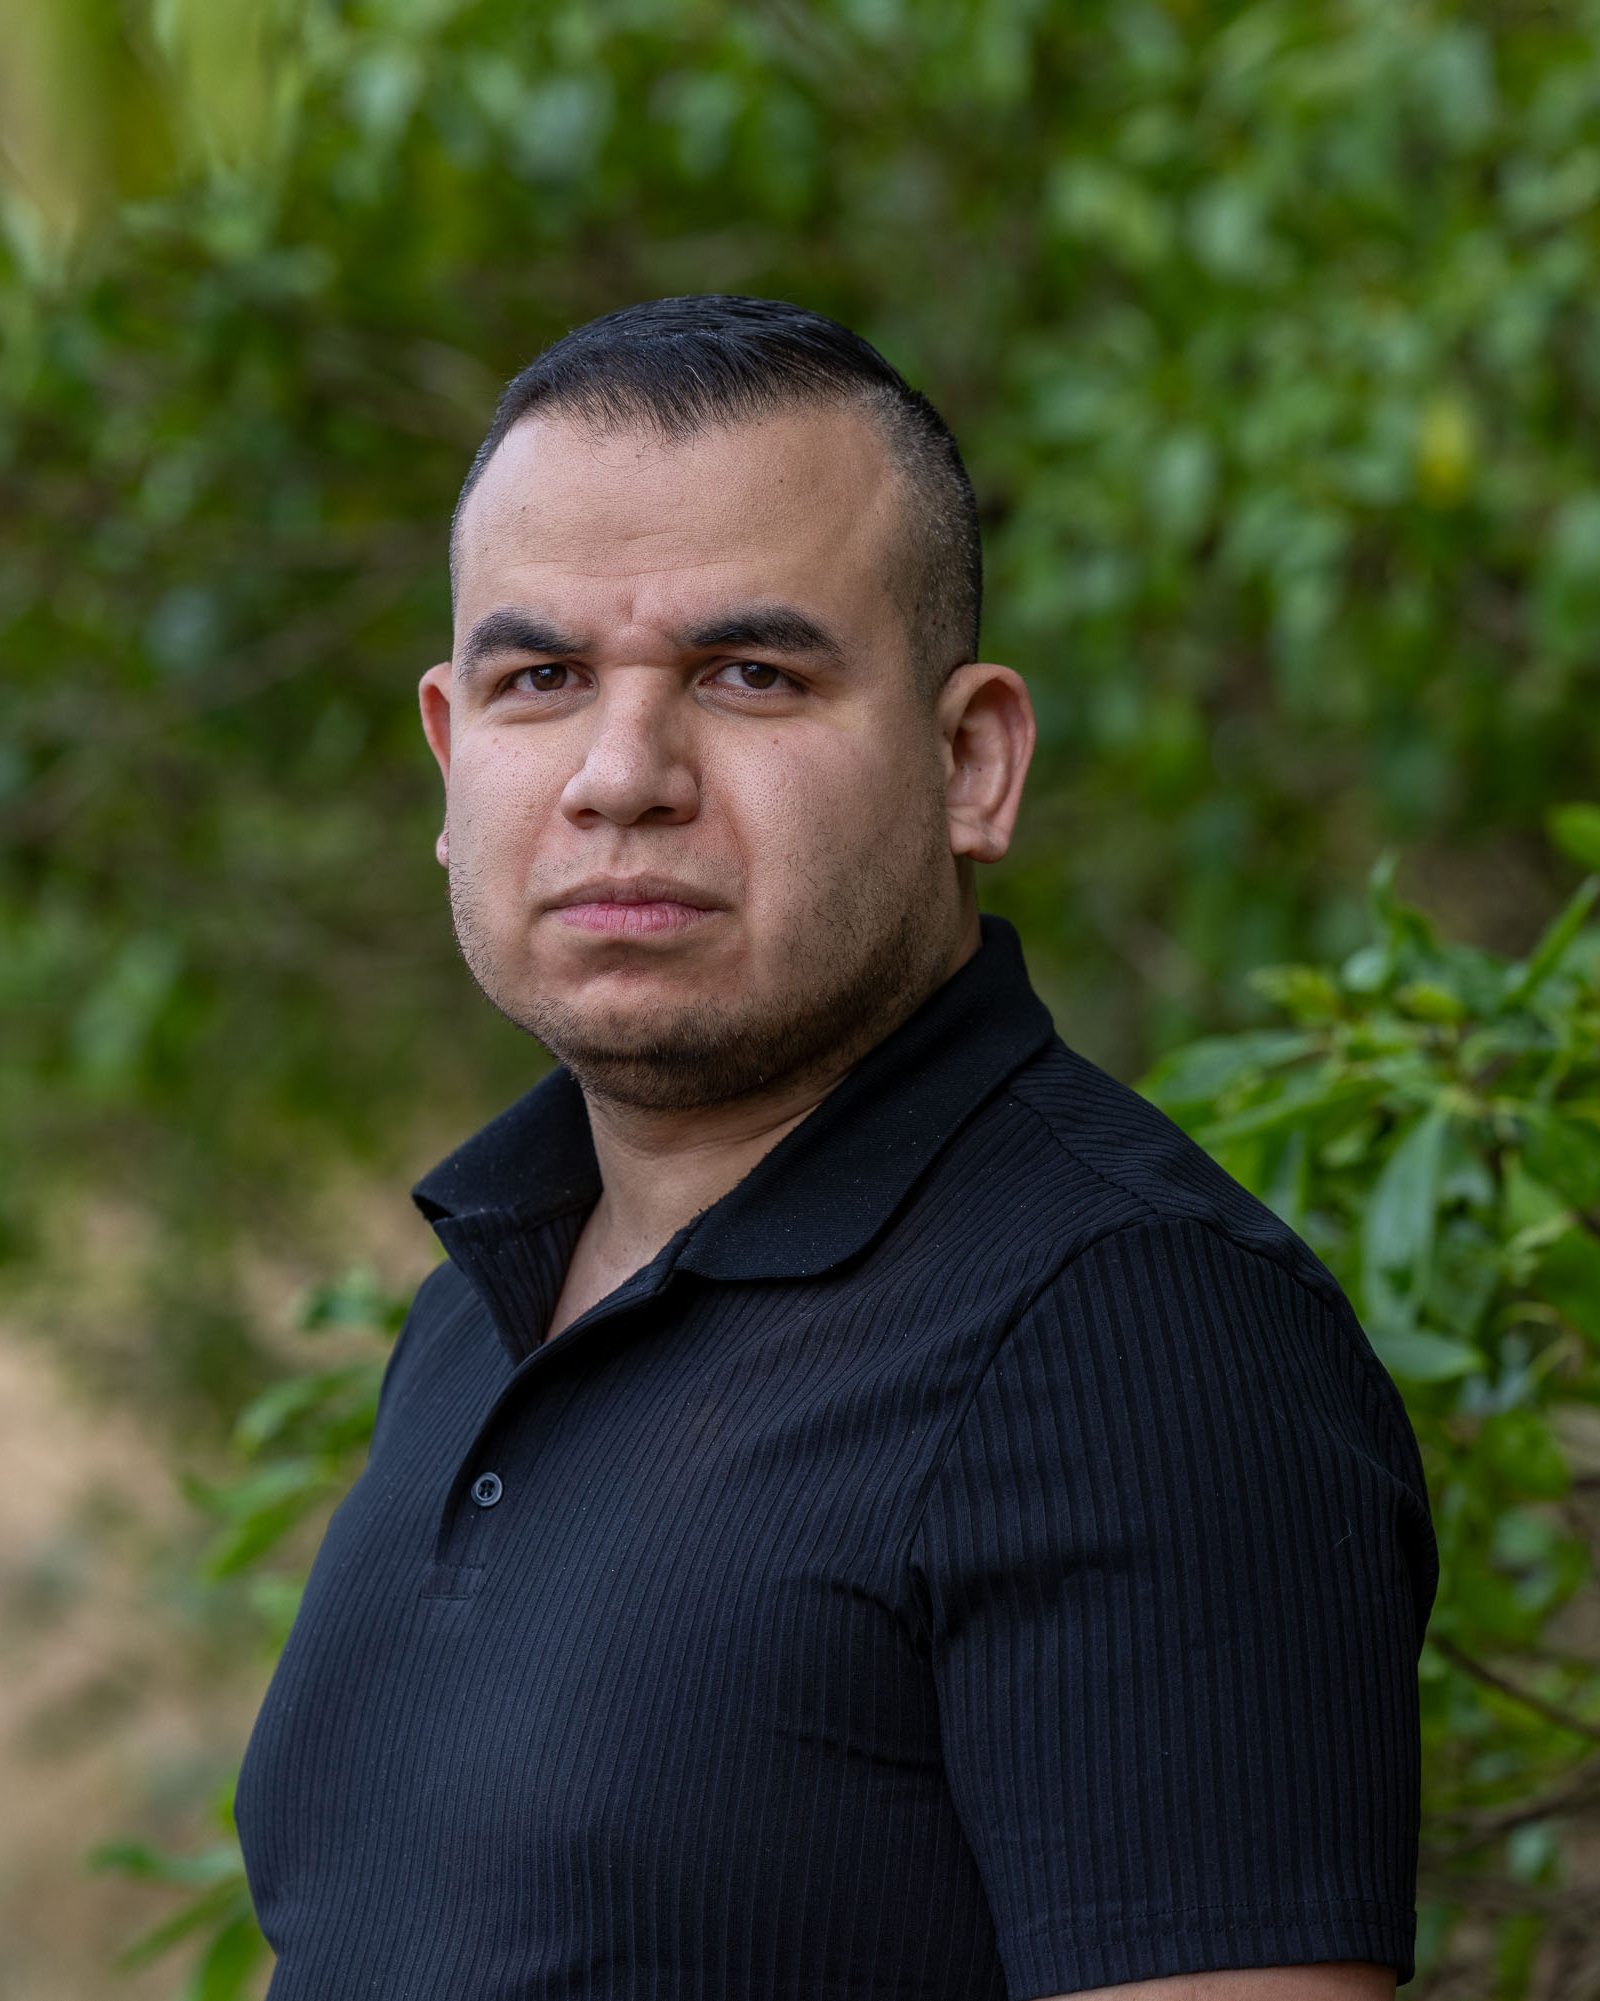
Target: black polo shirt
x,y
978,1557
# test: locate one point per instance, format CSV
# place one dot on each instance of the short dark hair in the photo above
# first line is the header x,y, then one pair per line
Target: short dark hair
x,y
680,365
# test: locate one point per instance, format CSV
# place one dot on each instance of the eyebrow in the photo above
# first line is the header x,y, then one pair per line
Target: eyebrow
x,y
775,628
778,628
513,632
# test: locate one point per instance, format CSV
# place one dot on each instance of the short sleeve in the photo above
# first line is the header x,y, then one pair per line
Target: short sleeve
x,y
1176,1564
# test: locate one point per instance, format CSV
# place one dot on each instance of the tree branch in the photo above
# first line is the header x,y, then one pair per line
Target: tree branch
x,y
1580,1789
1563,1719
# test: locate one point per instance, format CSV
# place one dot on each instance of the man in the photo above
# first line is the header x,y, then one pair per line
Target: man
x,y
867,1509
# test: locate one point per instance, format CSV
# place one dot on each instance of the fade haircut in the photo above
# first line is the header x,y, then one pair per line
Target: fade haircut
x,y
678,366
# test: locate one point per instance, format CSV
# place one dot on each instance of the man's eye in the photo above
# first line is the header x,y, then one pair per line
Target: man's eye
x,y
749,674
542,680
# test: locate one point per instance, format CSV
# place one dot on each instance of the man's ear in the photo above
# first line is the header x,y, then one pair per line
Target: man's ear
x,y
433,692
986,720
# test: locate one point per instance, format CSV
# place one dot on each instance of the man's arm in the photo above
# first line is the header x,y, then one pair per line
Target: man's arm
x,y
1344,1980
1175,1561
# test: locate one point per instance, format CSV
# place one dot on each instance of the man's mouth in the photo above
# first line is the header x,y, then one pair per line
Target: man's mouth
x,y
632,906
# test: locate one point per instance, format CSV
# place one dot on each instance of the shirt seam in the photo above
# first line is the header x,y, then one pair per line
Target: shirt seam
x,y
1056,1271
959,1417
1323,1294
1342,1321
1208,1918
1153,1220
1329,1296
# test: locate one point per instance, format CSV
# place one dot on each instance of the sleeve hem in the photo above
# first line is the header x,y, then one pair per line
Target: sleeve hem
x,y
1063,1955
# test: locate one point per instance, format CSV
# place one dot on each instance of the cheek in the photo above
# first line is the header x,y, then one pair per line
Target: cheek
x,y
500,792
808,813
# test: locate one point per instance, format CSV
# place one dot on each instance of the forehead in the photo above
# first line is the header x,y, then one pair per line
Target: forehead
x,y
803,504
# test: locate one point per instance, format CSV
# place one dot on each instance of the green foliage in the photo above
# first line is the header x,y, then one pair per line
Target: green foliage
x,y
218,1912
301,1442
1431,1125
1269,329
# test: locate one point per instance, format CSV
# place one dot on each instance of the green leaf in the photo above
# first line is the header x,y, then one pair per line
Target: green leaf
x,y
355,1300
1327,1090
1352,1144
1563,1154
1367,970
156,1865
1517,1944
237,1500
283,1407
1575,830
249,1539
1522,983
1382,900
1287,1181
1401,926
1203,1071
1568,1276
1397,1231
219,1906
1423,1358
1528,1204
1467,1269
230,1959
1309,993
1429,1001
1522,1449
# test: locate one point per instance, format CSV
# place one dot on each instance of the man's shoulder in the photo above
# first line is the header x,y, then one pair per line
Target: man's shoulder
x,y
1143,1244
1085,1157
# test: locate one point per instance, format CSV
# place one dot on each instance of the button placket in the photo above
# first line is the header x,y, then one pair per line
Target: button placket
x,y
516,1429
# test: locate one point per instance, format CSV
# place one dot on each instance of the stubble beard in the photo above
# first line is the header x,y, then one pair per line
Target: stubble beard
x,y
852,972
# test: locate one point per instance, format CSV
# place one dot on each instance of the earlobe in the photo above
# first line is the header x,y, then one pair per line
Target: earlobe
x,y
988,726
441,847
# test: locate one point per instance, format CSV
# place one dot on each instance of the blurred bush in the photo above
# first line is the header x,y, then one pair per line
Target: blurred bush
x,y
301,1443
1271,332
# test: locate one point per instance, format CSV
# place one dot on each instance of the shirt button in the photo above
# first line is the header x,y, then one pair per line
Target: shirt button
x,y
486,1489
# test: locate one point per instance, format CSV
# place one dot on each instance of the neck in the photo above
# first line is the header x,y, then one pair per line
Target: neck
x,y
660,1169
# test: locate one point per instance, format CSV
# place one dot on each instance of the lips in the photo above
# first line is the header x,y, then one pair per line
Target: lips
x,y
632,907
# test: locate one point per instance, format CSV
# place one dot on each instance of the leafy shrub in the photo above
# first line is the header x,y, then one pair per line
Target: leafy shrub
x,y
1428,1119
302,1443
1268,327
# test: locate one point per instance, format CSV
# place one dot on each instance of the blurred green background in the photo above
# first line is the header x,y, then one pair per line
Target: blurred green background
x,y
1272,335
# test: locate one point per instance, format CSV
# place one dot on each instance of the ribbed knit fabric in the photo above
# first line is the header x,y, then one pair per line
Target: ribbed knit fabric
x,y
980,1557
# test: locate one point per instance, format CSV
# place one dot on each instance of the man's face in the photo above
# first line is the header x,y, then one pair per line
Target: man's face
x,y
696,823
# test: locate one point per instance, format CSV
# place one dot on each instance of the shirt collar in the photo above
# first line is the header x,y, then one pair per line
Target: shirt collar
x,y
819,1197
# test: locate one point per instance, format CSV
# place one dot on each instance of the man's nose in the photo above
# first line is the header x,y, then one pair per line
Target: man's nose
x,y
637,768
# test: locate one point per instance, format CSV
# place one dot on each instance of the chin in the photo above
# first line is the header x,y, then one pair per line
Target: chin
x,y
677,1052
635,1005
580,971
